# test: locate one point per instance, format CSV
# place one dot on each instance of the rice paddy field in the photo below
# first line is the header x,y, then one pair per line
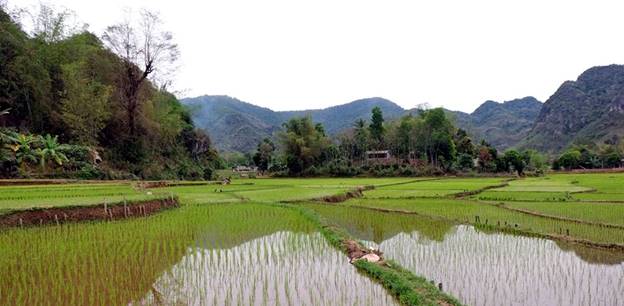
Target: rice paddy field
x,y
552,240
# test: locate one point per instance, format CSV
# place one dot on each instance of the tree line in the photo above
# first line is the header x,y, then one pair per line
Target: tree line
x,y
425,143
66,88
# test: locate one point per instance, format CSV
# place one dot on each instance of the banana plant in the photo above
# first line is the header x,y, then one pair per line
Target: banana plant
x,y
22,148
50,150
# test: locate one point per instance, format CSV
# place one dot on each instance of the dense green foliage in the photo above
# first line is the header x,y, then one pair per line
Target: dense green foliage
x,y
424,144
69,84
609,155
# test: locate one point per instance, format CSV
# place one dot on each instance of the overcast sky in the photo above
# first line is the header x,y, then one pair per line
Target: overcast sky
x,y
288,54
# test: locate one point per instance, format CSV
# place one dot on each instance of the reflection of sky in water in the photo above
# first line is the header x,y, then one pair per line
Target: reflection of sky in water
x,y
499,269
283,268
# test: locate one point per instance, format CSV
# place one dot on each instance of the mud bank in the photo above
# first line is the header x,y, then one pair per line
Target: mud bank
x,y
60,215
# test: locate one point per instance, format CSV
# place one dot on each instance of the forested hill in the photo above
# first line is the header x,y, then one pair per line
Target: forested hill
x,y
239,126
70,98
501,124
588,110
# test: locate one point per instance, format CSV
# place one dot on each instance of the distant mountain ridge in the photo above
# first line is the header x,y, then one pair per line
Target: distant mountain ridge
x,y
235,125
501,124
238,126
590,109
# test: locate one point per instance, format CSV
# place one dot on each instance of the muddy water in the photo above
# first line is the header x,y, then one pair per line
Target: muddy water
x,y
283,268
492,268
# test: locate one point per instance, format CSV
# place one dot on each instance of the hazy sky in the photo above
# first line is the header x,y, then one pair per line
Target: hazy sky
x,y
288,54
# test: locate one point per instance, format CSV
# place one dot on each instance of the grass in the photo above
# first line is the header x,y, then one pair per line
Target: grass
x,y
40,196
605,213
432,188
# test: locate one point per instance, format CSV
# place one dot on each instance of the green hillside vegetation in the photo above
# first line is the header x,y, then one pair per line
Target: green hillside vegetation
x,y
69,98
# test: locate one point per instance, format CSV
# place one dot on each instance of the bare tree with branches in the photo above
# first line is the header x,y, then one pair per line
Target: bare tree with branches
x,y
146,50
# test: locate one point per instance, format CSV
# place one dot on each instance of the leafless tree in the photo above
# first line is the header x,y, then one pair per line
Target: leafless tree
x,y
146,51
52,24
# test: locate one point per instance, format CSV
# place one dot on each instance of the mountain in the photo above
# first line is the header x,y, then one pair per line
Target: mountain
x,y
501,124
588,109
338,118
238,126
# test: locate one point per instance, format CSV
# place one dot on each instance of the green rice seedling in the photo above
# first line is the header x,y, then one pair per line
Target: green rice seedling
x,y
468,211
480,267
196,254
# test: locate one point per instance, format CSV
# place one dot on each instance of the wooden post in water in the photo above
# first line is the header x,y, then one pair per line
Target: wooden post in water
x,y
56,219
21,222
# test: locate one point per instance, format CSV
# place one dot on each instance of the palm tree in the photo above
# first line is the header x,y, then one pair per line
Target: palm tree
x,y
51,150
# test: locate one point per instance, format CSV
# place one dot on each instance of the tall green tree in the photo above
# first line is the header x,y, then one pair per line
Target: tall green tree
x,y
85,106
302,144
264,154
376,127
436,138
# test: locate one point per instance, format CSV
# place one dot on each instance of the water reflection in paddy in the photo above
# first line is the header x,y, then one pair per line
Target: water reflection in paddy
x,y
283,268
490,268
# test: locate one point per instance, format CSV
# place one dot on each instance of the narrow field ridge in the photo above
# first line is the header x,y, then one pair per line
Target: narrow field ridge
x,y
105,211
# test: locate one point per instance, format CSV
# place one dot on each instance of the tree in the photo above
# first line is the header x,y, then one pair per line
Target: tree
x,y
264,154
376,127
52,25
487,156
534,160
303,144
514,159
144,50
361,138
50,150
435,138
570,159
85,107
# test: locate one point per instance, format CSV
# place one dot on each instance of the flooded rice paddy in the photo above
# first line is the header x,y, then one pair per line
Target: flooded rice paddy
x,y
482,268
234,254
283,268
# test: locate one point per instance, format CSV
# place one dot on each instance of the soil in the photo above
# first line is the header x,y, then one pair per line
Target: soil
x,y
59,215
356,193
356,251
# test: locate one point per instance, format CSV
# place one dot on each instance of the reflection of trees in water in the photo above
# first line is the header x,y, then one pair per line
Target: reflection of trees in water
x,y
586,253
593,255
380,226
